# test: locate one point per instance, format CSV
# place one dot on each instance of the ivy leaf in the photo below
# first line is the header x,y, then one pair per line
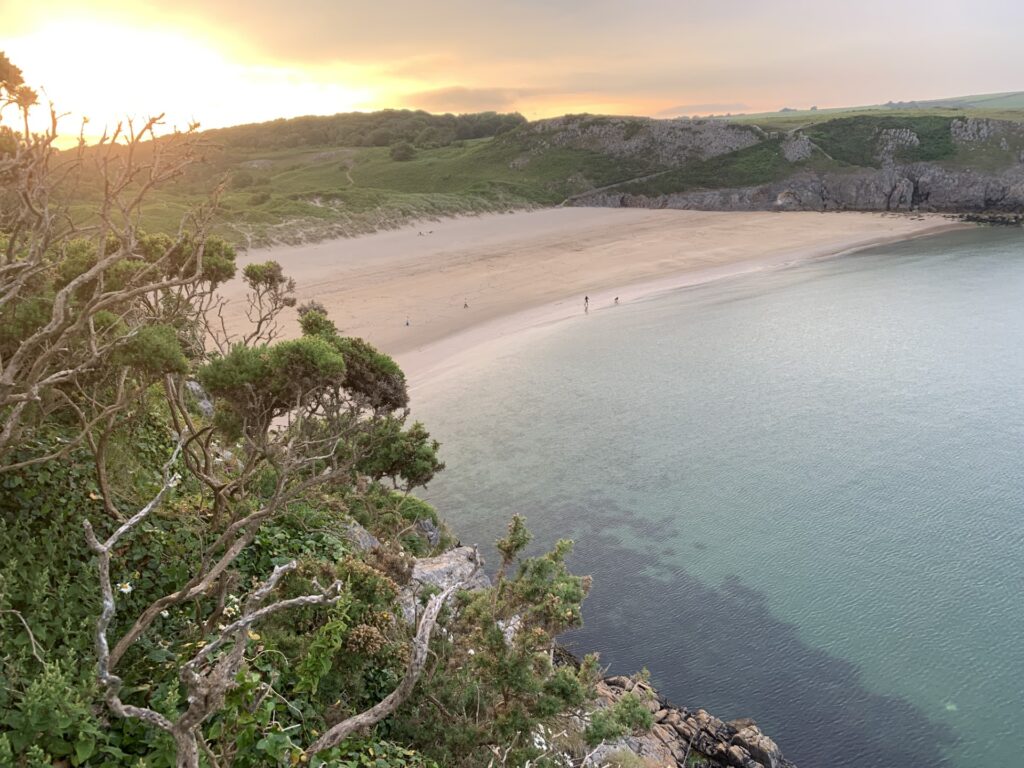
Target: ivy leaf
x,y
84,748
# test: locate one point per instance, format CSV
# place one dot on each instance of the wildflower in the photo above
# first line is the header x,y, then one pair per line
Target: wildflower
x,y
165,613
175,479
471,652
125,587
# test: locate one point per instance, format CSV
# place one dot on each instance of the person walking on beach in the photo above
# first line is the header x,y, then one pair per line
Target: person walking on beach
x,y
616,299
465,304
586,303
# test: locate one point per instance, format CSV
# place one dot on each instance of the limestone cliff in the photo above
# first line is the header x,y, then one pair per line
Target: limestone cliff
x,y
960,166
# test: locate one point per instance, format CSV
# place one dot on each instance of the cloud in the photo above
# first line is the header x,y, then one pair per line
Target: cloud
x,y
702,109
462,99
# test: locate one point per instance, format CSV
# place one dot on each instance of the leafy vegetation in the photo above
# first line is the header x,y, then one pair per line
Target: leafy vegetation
x,y
625,716
181,587
759,164
368,129
854,140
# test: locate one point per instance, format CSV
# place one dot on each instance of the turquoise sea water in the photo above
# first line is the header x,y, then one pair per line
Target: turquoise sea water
x,y
799,493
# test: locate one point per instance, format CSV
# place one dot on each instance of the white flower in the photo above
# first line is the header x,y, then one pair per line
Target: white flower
x,y
175,479
125,587
165,613
471,652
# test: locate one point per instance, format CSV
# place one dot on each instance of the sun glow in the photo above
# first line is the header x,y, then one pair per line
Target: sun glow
x,y
96,70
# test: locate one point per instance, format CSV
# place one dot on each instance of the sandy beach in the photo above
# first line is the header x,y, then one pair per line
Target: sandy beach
x,y
521,270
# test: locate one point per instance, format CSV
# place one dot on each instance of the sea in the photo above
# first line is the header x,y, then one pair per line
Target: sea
x,y
799,493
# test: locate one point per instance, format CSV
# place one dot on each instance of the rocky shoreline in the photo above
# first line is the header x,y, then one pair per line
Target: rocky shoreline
x,y
679,738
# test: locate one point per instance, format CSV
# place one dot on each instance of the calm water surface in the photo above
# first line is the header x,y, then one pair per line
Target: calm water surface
x,y
799,493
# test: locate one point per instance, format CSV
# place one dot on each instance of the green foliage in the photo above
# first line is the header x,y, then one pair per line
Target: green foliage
x,y
624,758
153,350
372,374
366,129
625,716
760,164
499,679
407,456
241,179
266,275
371,753
854,140
10,75
515,541
47,577
257,384
402,150
54,716
314,323
319,656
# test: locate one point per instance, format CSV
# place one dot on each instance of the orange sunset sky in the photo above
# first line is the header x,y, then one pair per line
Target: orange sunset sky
x,y
224,62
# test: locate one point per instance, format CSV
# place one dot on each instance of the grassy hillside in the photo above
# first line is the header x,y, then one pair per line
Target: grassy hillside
x,y
313,178
995,106
759,164
311,192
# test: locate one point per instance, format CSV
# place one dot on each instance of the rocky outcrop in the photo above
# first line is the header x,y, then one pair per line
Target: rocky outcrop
x,y
680,737
797,147
459,564
202,400
668,143
920,186
972,131
892,140
359,537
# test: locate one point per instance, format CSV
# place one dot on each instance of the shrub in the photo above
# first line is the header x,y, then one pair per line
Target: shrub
x,y
625,716
402,150
241,180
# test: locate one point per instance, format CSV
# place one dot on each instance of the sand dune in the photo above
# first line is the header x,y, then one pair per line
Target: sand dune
x,y
519,270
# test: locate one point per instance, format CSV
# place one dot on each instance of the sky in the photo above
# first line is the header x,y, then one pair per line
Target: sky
x,y
225,62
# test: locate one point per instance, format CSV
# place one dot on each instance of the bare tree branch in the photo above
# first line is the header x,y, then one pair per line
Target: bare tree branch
x,y
417,660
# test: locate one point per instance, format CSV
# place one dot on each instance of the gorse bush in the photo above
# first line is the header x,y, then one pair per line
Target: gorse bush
x,y
625,716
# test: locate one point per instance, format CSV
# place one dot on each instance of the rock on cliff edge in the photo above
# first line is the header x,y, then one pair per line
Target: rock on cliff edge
x,y
681,738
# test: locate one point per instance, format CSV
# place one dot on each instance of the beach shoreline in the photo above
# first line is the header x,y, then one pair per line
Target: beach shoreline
x,y
407,290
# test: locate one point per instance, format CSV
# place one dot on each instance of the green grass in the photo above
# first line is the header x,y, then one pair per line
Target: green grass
x,y
316,192
803,119
760,164
854,140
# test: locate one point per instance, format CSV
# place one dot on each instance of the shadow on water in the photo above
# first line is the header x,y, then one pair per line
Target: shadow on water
x,y
722,649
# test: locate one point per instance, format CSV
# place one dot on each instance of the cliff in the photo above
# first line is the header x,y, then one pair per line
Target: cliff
x,y
949,166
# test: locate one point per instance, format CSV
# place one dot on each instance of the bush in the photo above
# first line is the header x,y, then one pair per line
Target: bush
x,y
241,180
627,715
403,150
